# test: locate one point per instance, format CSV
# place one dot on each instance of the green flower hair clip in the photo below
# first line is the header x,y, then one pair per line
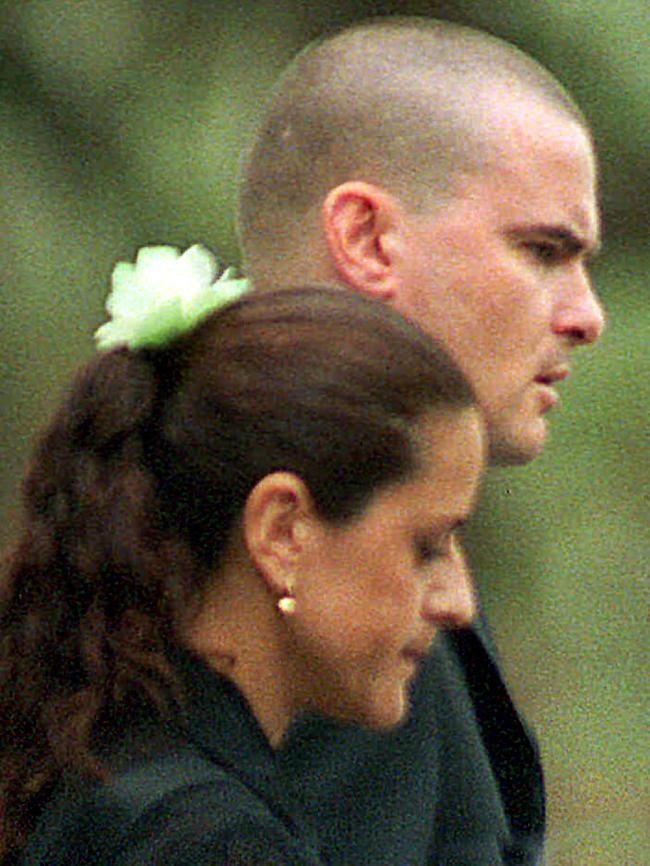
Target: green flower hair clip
x,y
163,295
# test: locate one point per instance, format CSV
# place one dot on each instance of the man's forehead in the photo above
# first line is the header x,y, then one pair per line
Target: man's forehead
x,y
508,119
548,159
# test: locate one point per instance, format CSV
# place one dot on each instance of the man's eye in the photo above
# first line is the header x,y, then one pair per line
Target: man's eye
x,y
544,251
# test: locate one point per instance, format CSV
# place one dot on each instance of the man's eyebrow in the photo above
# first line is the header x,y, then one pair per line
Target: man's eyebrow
x,y
571,240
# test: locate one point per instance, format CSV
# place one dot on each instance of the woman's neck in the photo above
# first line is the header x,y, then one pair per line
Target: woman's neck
x,y
239,633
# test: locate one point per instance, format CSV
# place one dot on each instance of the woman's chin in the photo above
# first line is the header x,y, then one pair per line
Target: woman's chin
x,y
385,713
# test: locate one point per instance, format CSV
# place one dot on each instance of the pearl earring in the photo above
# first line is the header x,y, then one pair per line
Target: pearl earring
x,y
287,605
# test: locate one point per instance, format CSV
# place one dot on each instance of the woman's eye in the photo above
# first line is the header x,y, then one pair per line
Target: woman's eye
x,y
426,549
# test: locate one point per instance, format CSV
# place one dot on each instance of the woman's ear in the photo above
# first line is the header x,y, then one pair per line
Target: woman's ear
x,y
276,524
360,223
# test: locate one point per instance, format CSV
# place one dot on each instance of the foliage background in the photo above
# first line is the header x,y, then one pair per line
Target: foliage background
x,y
120,125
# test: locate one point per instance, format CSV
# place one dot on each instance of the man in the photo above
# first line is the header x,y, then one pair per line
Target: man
x,y
443,171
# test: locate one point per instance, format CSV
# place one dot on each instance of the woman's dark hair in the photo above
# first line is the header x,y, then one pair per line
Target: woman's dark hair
x,y
137,484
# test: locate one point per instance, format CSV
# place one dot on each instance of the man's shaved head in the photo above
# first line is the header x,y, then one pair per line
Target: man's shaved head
x,y
407,105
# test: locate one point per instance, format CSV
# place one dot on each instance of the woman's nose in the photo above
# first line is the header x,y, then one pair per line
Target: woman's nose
x,y
451,602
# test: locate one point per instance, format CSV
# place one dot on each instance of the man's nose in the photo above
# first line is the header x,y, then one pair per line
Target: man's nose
x,y
579,314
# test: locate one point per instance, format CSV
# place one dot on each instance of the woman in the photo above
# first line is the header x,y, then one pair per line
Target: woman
x,y
237,515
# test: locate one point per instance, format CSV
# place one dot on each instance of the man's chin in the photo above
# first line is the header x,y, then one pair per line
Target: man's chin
x,y
517,445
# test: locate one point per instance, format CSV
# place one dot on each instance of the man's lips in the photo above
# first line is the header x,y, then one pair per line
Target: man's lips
x,y
546,380
552,375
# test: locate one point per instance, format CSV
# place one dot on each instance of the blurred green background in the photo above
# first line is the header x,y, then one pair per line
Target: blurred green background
x,y
121,125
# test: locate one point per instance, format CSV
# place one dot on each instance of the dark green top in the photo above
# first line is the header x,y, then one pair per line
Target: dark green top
x,y
459,784
204,791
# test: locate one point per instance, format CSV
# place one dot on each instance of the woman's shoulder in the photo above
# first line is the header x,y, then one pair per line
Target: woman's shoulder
x,y
216,822
165,803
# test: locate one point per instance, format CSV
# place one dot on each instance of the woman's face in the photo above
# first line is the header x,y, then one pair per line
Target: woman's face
x,y
377,589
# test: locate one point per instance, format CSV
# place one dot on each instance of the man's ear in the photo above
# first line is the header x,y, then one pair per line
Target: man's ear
x,y
361,226
277,519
